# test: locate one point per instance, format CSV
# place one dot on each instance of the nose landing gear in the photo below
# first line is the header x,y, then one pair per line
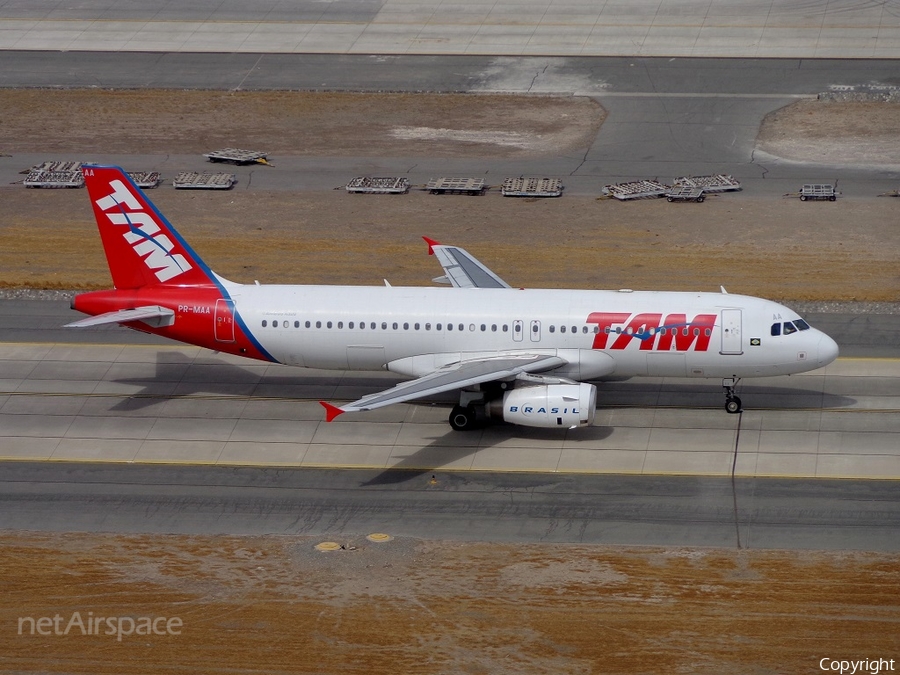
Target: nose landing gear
x,y
732,402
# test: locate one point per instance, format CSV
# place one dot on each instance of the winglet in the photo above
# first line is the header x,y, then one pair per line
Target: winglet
x,y
331,411
431,244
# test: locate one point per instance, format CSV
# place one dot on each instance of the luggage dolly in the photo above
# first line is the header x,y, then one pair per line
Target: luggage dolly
x,y
686,194
812,191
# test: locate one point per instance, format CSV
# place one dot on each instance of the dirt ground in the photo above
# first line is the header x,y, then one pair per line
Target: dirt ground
x,y
834,132
572,242
277,605
778,248
297,123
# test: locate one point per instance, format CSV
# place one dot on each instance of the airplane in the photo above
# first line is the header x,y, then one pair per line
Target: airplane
x,y
525,356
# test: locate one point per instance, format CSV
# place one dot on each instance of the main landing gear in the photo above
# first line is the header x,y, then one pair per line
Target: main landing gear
x,y
732,402
463,418
470,413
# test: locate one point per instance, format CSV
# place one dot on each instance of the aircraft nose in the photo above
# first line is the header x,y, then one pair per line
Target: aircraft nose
x,y
828,350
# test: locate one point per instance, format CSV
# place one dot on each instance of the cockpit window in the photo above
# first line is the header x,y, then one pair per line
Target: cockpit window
x,y
801,324
789,328
776,329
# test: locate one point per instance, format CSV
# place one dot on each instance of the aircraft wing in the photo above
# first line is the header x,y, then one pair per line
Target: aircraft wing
x,y
153,314
453,376
462,269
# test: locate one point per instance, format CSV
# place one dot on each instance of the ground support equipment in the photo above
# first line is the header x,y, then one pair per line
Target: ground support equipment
x,y
55,175
237,156
531,187
192,180
817,191
685,194
145,179
378,185
719,182
639,189
465,186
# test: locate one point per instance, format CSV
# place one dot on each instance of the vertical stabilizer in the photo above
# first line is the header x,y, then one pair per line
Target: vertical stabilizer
x,y
142,248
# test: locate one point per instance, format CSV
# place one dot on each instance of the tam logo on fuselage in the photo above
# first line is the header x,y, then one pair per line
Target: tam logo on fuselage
x,y
675,333
143,233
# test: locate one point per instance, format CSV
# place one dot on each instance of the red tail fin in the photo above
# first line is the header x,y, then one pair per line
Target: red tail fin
x,y
142,248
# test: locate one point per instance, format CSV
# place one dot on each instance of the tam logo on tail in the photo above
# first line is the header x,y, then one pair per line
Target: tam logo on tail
x,y
143,233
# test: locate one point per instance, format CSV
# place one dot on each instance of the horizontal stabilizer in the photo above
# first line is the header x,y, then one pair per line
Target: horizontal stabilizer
x,y
153,315
331,411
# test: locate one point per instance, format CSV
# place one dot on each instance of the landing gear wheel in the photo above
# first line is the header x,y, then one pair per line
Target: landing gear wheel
x,y
733,404
462,419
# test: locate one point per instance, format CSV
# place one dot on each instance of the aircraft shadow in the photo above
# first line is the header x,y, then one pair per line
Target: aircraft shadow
x,y
175,378
426,459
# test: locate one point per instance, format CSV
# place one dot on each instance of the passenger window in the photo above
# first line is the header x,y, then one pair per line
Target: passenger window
x,y
776,329
350,325
493,328
483,328
265,323
427,326
340,324
318,324
696,332
505,328
394,326
461,327
405,326
416,326
562,329
437,327
789,328
584,329
707,332
449,326
552,329
328,325
296,324
372,325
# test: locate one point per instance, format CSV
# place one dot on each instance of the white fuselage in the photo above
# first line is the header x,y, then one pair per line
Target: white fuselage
x,y
413,330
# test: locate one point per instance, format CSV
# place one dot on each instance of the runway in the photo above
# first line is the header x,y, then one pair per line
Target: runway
x,y
149,403
670,28
747,513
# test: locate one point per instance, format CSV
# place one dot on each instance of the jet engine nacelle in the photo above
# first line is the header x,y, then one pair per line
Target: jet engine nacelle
x,y
551,405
